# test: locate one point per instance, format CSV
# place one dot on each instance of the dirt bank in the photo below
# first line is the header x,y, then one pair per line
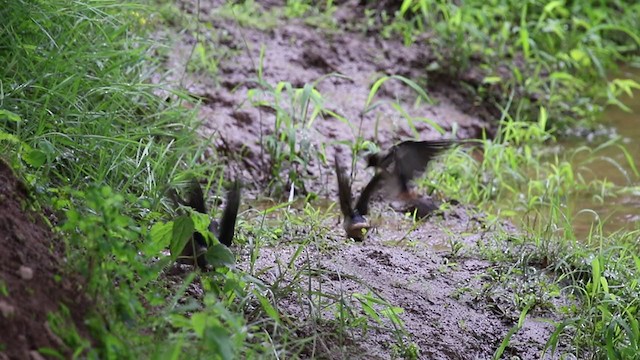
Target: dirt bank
x,y
33,284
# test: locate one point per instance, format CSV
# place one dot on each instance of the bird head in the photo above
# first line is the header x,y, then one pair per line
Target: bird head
x,y
357,227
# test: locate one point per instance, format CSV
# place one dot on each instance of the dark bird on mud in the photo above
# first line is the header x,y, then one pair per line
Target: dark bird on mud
x,y
398,166
355,224
223,230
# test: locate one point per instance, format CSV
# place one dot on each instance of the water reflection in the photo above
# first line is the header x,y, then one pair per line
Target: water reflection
x,y
622,212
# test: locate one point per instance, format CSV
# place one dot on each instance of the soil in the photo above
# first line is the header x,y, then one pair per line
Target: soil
x,y
433,269
341,66
32,281
451,309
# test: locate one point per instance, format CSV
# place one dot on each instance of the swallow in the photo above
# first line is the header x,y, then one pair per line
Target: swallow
x,y
400,165
355,223
223,230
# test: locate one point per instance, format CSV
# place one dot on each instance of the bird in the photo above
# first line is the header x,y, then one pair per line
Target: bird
x,y
355,223
398,166
223,230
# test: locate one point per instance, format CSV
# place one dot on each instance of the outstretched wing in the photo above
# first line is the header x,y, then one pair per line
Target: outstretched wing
x,y
412,157
362,205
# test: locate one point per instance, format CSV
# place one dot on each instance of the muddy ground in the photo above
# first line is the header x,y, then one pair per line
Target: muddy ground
x,y
451,308
434,270
342,67
33,284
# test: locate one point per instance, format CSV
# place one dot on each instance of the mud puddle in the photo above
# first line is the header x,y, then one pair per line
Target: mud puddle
x,y
611,165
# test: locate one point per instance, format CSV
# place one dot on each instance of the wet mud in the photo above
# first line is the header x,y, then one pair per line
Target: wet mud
x,y
342,67
449,307
432,269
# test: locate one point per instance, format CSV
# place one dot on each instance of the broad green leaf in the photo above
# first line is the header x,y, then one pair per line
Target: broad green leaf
x,y
199,323
201,224
219,255
161,234
181,234
221,339
9,137
35,158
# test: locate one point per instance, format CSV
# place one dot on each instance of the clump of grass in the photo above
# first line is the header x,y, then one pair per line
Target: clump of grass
x,y
81,106
79,118
516,178
552,54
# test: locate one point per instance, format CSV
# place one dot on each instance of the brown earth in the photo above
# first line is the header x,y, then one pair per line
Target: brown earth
x,y
451,306
341,66
434,270
32,281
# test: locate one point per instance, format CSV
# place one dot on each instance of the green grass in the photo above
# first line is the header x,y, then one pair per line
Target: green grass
x,y
548,53
547,258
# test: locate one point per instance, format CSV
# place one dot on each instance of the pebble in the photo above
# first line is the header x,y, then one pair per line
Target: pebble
x,y
25,272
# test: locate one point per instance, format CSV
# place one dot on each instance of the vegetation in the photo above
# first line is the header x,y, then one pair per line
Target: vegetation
x,y
100,143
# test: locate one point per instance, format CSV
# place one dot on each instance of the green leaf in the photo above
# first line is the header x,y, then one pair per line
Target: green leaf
x,y
161,234
9,137
219,255
267,307
201,224
199,323
580,57
35,158
374,90
8,115
542,118
491,80
595,273
524,33
181,234
221,339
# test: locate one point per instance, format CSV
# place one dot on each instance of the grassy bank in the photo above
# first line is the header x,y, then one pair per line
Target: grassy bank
x,y
82,123
555,54
99,143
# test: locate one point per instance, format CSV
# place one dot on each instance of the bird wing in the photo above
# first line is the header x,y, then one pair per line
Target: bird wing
x,y
362,205
412,157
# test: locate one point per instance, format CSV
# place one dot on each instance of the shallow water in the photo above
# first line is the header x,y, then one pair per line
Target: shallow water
x,y
615,213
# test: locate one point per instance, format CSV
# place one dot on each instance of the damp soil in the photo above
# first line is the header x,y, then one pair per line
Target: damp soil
x,y
433,269
451,308
341,66
33,284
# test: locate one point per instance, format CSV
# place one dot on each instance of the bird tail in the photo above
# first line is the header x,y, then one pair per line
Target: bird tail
x,y
195,198
344,190
229,215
